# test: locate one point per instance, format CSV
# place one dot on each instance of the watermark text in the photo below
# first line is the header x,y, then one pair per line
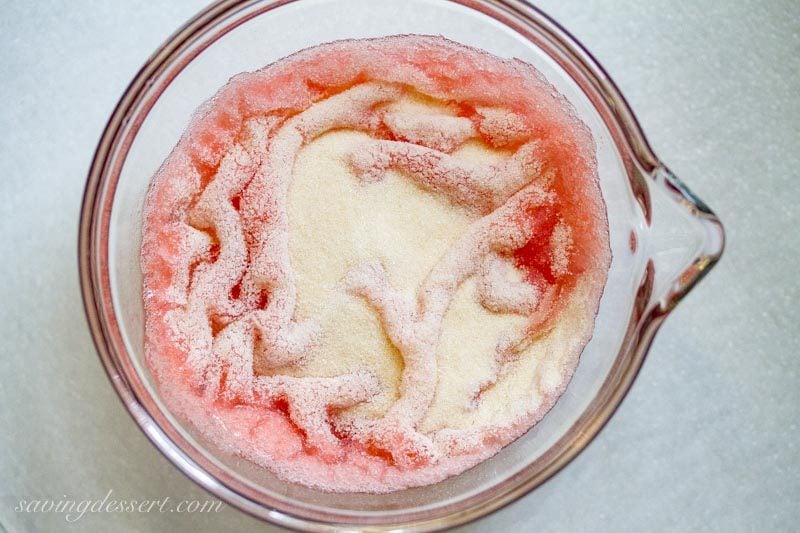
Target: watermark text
x,y
75,509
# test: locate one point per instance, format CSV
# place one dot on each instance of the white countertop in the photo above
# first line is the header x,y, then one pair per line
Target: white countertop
x,y
707,439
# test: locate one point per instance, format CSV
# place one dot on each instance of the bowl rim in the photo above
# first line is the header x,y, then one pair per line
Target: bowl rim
x,y
644,169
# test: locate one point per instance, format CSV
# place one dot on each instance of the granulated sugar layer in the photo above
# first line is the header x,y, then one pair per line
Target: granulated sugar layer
x,y
374,263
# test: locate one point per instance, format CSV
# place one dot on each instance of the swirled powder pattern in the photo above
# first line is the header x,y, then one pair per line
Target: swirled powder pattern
x,y
374,263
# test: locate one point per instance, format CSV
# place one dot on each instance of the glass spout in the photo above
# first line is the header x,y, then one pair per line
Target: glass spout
x,y
683,239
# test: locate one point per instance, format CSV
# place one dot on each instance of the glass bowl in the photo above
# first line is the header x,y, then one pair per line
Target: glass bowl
x,y
663,240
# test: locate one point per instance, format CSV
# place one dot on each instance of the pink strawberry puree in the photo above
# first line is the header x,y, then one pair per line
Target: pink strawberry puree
x,y
241,345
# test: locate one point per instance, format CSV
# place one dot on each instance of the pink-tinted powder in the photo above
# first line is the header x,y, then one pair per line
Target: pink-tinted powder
x,y
220,291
